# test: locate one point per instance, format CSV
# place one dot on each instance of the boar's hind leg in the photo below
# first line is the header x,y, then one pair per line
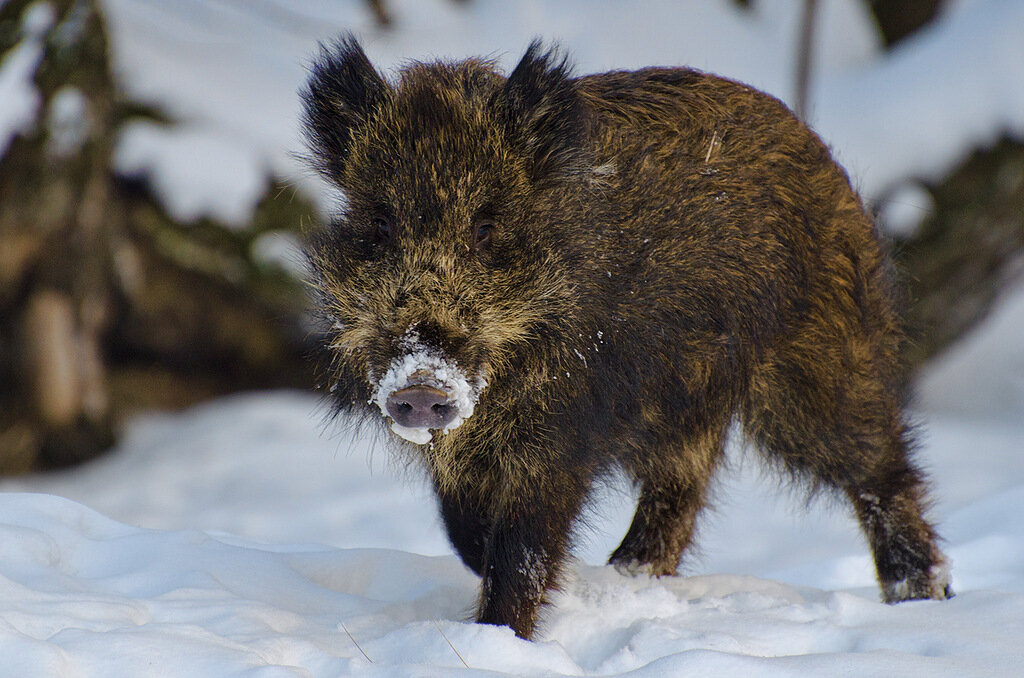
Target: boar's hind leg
x,y
524,555
671,496
908,563
840,427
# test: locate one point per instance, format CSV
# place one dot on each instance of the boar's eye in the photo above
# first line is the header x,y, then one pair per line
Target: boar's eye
x,y
381,229
482,235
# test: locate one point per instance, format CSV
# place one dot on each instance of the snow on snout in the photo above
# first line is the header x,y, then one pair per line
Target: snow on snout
x,y
421,365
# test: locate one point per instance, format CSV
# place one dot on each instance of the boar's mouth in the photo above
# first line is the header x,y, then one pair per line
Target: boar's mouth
x,y
422,392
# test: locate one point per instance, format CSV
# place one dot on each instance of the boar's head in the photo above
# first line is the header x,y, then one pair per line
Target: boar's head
x,y
451,257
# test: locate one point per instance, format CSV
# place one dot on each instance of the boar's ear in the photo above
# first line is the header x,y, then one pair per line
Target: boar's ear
x,y
541,111
342,92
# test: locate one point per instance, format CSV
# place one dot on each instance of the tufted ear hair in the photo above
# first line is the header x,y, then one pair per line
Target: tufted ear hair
x,y
342,92
542,113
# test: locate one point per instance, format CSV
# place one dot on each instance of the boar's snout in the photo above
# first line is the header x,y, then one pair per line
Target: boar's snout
x,y
423,392
421,407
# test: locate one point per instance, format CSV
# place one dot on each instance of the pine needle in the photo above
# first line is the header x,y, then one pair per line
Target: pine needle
x,y
342,625
438,627
711,147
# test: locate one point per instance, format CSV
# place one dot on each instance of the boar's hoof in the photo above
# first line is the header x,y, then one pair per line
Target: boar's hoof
x,y
421,407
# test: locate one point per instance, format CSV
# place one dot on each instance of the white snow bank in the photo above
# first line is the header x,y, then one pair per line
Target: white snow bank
x,y
983,374
916,112
227,69
778,590
258,466
261,466
87,596
197,171
890,117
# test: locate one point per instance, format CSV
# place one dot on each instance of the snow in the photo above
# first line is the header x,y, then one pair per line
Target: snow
x,y
282,250
904,211
917,111
239,538
67,122
983,375
19,99
197,171
891,117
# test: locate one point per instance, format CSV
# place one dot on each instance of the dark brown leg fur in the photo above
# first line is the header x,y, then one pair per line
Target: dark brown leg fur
x,y
908,564
661,530
524,554
827,406
849,450
670,500
467,527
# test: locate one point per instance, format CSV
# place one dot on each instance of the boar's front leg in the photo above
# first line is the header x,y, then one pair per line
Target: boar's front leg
x,y
467,526
524,555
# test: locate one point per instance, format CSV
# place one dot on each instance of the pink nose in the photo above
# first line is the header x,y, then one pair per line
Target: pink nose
x,y
421,407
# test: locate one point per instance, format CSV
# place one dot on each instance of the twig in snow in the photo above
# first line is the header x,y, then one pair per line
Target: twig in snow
x,y
438,627
342,625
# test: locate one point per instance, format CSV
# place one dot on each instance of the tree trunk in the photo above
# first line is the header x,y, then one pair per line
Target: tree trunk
x,y
898,20
970,250
106,305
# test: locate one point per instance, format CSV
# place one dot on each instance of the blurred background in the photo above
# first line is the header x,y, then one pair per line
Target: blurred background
x,y
153,193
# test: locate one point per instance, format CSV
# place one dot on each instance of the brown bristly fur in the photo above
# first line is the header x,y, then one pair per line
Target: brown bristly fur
x,y
671,251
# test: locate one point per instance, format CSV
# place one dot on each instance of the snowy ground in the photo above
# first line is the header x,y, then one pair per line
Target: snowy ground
x,y
238,539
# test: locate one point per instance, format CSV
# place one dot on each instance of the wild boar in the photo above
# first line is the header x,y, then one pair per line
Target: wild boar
x,y
539,278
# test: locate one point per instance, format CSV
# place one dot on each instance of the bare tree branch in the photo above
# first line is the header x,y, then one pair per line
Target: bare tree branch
x,y
804,58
